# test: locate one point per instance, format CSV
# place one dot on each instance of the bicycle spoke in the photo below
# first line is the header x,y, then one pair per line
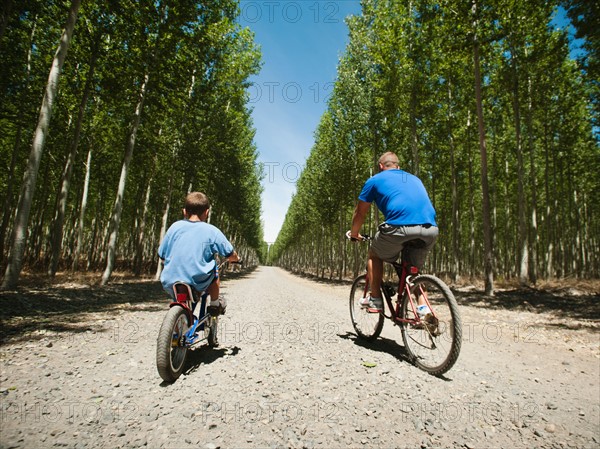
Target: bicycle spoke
x,y
433,342
367,325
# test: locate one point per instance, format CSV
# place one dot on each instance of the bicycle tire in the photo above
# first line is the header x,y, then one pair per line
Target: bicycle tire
x,y
213,340
434,344
170,353
367,325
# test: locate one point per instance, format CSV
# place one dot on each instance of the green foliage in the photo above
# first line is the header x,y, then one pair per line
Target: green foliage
x,y
195,133
585,16
406,84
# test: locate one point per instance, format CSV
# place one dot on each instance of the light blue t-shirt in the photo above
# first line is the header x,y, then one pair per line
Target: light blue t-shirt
x,y
401,197
188,251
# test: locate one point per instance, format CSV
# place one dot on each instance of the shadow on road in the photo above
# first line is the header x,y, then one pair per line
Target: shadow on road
x,y
206,355
387,345
29,313
35,310
569,299
563,302
381,344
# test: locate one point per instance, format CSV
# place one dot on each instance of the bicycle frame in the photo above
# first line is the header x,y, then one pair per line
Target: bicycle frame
x,y
405,273
184,298
431,340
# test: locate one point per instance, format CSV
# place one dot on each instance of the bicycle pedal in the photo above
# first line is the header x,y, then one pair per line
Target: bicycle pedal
x,y
215,310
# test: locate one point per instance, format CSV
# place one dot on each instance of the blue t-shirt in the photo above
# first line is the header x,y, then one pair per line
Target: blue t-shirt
x,y
188,251
401,197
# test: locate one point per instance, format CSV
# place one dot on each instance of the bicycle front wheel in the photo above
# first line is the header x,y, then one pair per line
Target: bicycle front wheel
x,y
367,325
171,352
432,343
213,326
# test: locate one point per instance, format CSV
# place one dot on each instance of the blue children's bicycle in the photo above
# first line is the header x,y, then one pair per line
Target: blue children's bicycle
x,y
190,321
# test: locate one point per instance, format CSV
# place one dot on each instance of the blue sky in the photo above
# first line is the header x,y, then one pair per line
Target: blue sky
x,y
301,43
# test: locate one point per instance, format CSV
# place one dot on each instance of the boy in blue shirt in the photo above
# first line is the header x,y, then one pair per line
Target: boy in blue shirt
x,y
409,215
188,250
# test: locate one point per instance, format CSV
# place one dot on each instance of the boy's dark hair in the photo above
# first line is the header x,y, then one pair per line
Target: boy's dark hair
x,y
196,203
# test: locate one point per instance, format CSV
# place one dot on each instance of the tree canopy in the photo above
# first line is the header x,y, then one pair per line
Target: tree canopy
x,y
407,83
151,104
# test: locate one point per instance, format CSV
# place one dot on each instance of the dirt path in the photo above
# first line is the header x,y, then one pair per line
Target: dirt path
x,y
289,373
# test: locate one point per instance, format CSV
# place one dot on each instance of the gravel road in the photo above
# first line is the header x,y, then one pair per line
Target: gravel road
x,y
291,373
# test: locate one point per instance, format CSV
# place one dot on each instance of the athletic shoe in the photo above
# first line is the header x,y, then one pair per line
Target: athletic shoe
x,y
423,310
217,307
364,302
375,305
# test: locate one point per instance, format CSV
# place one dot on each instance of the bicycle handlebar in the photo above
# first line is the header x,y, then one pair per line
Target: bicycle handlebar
x,y
226,261
362,238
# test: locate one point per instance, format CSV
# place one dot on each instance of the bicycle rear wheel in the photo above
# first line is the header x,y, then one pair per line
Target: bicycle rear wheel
x,y
433,344
170,350
367,325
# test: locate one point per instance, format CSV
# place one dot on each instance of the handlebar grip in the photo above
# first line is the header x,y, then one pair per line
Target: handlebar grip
x,y
354,239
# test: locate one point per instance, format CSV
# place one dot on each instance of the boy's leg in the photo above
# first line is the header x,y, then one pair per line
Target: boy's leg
x,y
217,304
214,289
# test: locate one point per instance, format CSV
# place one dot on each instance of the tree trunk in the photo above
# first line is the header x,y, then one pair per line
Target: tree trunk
x,y
533,238
139,250
455,263
6,209
57,231
471,188
548,225
115,220
84,200
19,235
523,246
163,227
414,140
8,201
487,230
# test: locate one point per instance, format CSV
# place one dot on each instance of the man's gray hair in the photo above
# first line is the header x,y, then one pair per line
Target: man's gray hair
x,y
389,159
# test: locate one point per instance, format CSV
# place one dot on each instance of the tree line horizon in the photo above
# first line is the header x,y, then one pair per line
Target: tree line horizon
x,y
108,121
483,101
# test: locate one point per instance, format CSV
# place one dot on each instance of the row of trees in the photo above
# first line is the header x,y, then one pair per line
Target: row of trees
x,y
145,101
483,101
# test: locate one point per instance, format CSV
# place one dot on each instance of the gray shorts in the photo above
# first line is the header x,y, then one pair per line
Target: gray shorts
x,y
390,242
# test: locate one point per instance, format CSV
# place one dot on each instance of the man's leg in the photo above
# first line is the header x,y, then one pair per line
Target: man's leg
x,y
417,256
375,272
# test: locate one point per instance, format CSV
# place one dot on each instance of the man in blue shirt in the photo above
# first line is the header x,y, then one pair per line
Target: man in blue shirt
x,y
189,247
409,215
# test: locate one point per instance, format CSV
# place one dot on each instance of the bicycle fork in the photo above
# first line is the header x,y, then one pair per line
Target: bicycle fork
x,y
430,321
192,337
